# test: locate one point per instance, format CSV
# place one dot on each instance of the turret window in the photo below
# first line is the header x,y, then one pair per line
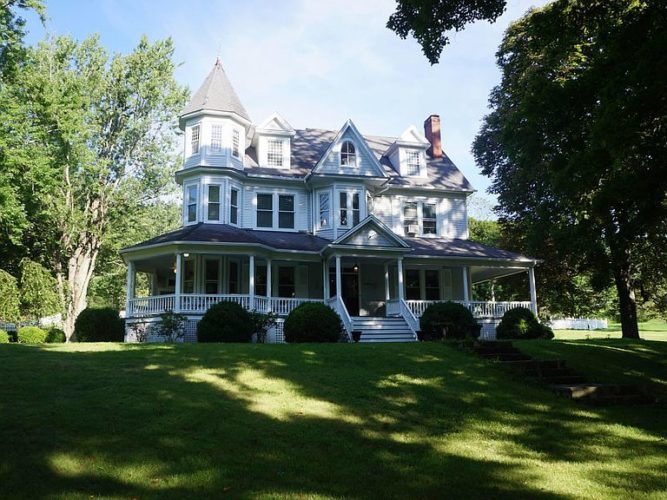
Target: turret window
x,y
191,206
234,206
214,203
216,138
348,154
194,140
236,143
274,155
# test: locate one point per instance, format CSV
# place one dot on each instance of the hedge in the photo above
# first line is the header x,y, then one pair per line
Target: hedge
x,y
521,323
312,322
99,325
225,322
456,318
31,335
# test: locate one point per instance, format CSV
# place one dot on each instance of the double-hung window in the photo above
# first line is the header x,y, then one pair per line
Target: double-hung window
x,y
412,286
214,202
429,219
420,218
194,140
324,210
216,138
191,203
286,211
413,163
349,206
236,143
264,210
234,206
348,154
274,152
410,217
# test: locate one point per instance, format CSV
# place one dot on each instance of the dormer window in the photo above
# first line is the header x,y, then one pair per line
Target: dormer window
x,y
348,154
216,138
236,143
274,153
194,140
413,163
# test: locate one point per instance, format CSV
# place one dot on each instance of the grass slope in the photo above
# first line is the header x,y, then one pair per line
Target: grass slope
x,y
310,421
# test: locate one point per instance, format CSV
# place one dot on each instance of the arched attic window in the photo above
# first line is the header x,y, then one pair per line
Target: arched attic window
x,y
348,154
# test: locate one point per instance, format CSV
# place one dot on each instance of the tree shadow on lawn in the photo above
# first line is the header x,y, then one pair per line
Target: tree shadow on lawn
x,y
334,421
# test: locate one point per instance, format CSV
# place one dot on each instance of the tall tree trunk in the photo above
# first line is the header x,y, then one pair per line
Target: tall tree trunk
x,y
626,300
79,273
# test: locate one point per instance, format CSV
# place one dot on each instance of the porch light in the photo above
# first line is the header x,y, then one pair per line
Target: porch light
x,y
186,255
355,268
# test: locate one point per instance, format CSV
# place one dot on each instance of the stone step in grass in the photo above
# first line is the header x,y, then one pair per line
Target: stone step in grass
x,y
557,376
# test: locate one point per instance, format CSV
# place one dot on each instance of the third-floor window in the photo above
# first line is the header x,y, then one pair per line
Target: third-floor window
x,y
274,152
194,140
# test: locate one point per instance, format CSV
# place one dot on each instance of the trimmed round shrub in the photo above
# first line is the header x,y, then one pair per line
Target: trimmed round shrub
x,y
55,336
521,323
312,322
225,322
456,318
4,337
99,325
31,335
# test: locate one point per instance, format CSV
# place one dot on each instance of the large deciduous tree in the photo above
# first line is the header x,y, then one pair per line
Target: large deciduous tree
x,y
87,140
576,142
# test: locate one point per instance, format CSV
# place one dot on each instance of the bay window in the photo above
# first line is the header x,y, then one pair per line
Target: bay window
x,y
214,203
264,210
191,203
349,209
324,210
234,206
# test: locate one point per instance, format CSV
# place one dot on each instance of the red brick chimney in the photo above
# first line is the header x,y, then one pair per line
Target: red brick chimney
x,y
432,133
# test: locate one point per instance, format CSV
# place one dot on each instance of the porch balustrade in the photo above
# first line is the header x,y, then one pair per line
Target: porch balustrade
x,y
479,309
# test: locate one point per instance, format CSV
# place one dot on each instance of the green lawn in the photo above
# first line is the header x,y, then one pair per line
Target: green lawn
x,y
650,330
311,421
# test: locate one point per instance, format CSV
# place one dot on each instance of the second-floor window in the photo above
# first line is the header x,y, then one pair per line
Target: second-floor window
x,y
214,202
420,218
284,218
236,143
194,140
264,210
274,152
234,206
413,163
216,138
191,203
324,210
349,206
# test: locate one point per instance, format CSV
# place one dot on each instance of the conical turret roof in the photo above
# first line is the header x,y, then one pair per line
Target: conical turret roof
x,y
216,94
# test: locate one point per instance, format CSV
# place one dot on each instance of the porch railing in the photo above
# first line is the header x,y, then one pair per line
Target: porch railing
x,y
282,306
146,306
479,309
201,302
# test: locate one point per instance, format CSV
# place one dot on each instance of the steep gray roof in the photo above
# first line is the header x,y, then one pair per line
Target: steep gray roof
x,y
308,146
216,94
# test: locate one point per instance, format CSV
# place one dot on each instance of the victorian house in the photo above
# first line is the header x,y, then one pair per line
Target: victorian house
x,y
375,227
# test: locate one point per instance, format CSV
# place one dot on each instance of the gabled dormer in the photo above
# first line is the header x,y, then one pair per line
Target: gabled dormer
x,y
408,153
216,124
349,154
273,142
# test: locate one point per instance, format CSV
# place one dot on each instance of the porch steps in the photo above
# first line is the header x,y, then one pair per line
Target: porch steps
x,y
390,329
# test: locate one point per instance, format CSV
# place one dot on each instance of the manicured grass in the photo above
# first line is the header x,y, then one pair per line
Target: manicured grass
x,y
311,421
649,330
642,363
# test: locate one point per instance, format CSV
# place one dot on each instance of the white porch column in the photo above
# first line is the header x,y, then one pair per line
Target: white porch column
x,y
251,281
401,292
387,295
268,284
466,290
177,286
325,279
339,280
130,289
533,290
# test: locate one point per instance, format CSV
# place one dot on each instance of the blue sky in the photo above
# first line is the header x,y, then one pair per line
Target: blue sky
x,y
317,63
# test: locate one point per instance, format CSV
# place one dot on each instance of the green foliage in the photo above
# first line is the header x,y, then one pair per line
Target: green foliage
x,y
39,296
312,322
31,335
225,322
9,297
4,337
429,21
172,326
520,323
458,320
575,142
262,323
55,336
99,325
12,31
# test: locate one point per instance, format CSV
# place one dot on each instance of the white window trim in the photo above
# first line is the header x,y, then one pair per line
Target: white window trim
x,y
403,158
231,144
264,148
186,188
420,217
356,154
221,191
221,148
275,211
350,194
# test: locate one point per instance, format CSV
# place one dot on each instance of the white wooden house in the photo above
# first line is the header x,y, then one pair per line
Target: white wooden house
x,y
375,227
